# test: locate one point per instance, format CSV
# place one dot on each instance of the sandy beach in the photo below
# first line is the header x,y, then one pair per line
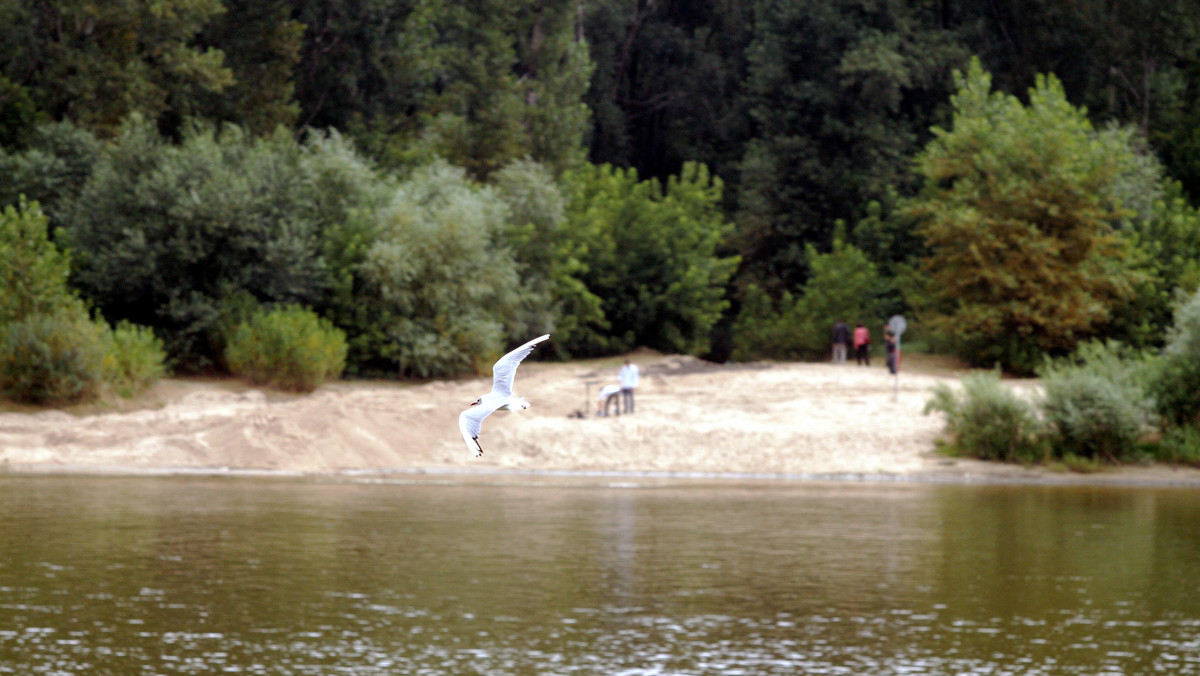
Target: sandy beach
x,y
693,418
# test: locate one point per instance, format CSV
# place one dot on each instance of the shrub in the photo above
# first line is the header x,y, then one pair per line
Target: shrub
x,y
651,254
1173,385
33,272
762,331
1175,379
1095,404
162,233
1184,336
52,358
1180,445
843,283
135,358
1090,416
987,420
290,348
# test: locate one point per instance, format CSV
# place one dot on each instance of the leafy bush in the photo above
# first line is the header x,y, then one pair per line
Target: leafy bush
x,y
134,359
1181,445
844,283
762,329
290,348
438,285
1173,386
51,169
33,272
987,420
1184,337
1175,379
1095,404
650,254
1091,416
554,301
162,233
52,358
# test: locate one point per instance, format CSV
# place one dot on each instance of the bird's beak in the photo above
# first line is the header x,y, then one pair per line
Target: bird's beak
x,y
475,403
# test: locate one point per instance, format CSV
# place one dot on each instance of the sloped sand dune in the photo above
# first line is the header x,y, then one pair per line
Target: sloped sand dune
x,y
693,418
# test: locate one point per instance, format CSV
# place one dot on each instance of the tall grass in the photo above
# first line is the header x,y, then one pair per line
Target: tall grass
x,y
987,419
290,348
1096,404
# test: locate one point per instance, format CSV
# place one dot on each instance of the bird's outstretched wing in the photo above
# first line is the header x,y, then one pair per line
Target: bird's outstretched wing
x,y
506,367
470,423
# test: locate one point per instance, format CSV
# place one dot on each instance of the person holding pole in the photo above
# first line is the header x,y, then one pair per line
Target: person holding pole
x,y
889,348
895,328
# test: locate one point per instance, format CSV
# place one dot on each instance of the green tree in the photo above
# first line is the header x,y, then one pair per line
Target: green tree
x,y
51,351
18,112
1136,62
481,83
1018,214
668,85
549,259
844,284
33,271
651,255
164,235
438,282
51,169
842,94
97,62
361,65
261,43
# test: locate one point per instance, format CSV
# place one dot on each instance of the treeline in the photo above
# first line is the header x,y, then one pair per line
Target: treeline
x,y
435,180
429,274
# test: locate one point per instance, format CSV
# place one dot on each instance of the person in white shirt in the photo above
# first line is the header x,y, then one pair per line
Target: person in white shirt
x,y
629,381
608,395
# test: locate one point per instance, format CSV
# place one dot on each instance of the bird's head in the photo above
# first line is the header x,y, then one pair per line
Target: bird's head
x,y
477,401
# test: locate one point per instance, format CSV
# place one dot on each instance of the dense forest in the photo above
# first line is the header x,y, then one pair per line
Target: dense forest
x,y
435,180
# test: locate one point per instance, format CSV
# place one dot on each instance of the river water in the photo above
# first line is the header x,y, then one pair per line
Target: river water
x,y
199,575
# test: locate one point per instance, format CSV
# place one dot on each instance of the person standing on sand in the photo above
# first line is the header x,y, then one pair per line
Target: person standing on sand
x,y
889,348
629,382
862,345
841,339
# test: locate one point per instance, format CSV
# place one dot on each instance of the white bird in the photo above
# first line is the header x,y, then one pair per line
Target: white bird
x,y
501,398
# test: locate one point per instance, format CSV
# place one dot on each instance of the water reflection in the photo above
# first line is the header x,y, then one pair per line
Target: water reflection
x,y
201,575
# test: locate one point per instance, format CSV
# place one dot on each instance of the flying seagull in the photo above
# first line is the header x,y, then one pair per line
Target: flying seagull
x,y
501,397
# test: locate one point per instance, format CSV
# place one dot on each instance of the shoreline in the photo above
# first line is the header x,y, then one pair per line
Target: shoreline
x,y
766,423
999,475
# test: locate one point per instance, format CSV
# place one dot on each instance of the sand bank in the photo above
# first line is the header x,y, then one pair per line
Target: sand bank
x,y
693,418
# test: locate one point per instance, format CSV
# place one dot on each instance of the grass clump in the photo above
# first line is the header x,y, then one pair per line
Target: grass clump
x,y
986,419
1180,445
135,358
289,348
52,358
1096,405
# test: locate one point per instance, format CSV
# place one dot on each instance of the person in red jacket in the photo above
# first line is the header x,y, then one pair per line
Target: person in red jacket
x,y
862,345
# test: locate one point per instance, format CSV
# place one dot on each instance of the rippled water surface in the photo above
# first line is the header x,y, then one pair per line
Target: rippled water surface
x,y
268,576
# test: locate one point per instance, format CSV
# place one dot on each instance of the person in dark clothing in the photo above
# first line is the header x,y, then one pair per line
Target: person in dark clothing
x,y
889,346
841,341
